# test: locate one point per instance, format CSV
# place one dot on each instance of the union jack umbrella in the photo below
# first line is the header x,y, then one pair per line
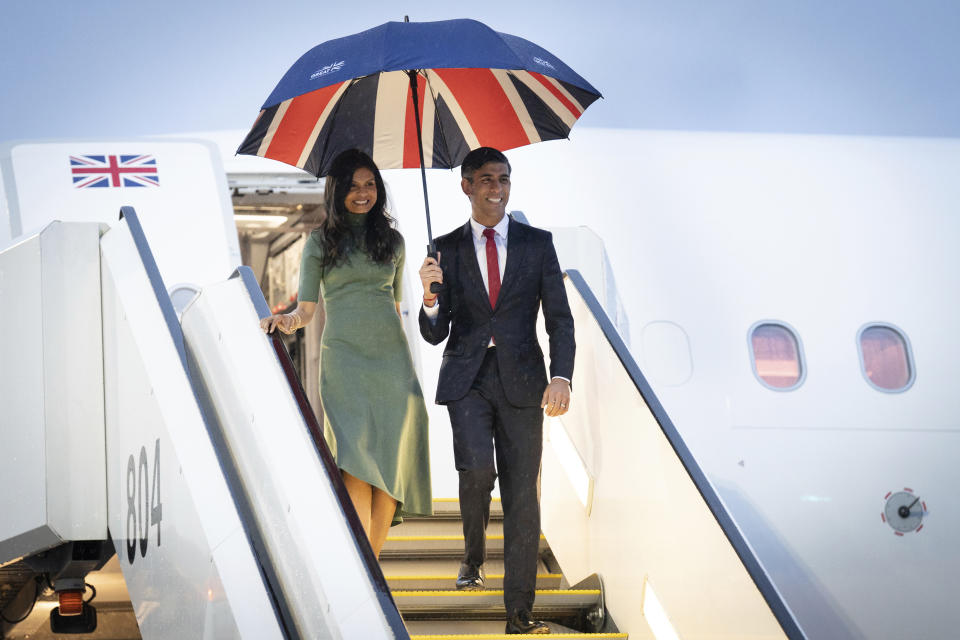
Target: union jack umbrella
x,y
417,94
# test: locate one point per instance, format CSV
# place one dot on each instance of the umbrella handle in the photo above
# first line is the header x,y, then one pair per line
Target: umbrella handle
x,y
435,287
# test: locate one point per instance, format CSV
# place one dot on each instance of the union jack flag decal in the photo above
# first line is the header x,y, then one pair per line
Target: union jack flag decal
x,y
114,171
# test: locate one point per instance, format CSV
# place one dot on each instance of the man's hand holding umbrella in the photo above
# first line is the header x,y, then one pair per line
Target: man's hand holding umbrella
x,y
430,272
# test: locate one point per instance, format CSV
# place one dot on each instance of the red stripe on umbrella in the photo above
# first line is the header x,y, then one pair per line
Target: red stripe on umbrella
x,y
411,154
293,132
494,122
552,88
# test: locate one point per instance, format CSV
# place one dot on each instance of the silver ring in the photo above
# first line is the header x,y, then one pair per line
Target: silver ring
x,y
563,406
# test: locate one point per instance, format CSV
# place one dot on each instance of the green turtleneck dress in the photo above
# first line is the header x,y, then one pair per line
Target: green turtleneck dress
x,y
375,418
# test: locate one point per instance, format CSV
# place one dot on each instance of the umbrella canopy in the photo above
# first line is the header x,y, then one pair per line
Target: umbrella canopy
x,y
472,87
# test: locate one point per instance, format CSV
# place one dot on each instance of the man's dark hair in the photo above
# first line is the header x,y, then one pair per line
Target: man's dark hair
x,y
479,157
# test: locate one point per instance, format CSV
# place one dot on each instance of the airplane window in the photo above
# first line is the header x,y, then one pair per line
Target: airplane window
x,y
777,357
885,357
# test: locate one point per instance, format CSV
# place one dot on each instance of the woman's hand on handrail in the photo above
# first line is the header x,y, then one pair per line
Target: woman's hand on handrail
x,y
286,322
290,322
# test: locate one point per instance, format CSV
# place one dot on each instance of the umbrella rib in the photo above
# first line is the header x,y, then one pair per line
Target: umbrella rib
x,y
438,121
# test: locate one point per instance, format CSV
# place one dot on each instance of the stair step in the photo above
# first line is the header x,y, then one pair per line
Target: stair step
x,y
549,604
420,560
439,527
487,630
440,546
450,508
428,574
460,629
446,581
503,636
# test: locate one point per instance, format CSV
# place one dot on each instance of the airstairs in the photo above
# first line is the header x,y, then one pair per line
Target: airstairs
x,y
182,438
420,561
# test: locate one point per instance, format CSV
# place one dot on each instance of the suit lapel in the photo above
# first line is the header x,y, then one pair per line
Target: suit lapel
x,y
516,252
468,258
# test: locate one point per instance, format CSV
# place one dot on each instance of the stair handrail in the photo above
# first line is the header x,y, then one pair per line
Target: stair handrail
x,y
374,572
231,474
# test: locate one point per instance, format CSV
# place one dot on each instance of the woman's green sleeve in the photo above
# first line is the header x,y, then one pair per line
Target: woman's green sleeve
x,y
311,273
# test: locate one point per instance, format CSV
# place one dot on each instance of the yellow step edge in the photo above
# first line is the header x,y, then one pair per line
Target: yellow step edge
x,y
490,576
458,499
494,636
493,592
436,538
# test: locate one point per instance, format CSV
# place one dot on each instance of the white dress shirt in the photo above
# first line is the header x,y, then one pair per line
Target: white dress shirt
x,y
480,248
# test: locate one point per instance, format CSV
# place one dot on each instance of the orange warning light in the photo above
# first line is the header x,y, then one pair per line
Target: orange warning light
x,y
71,602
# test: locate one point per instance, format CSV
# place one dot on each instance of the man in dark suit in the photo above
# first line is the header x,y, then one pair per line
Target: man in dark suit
x,y
497,274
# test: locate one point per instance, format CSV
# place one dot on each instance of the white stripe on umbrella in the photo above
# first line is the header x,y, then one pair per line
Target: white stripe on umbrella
x,y
503,77
439,88
428,126
318,125
552,101
569,96
389,118
274,124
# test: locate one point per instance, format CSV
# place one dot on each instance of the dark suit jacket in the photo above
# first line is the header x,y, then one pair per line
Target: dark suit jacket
x,y
531,277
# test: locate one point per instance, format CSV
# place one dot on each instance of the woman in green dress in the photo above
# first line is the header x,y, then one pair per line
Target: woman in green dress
x,y
375,418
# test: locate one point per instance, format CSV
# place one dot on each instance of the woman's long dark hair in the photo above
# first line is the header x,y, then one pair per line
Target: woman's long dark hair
x,y
335,234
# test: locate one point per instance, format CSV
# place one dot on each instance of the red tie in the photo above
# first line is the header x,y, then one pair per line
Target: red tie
x,y
493,267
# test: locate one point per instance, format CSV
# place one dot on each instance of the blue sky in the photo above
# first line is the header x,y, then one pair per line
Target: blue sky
x,y
112,68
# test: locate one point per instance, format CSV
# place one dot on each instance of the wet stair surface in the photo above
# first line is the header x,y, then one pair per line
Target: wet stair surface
x,y
420,561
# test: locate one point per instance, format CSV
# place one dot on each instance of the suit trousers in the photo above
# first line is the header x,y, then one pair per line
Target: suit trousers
x,y
487,427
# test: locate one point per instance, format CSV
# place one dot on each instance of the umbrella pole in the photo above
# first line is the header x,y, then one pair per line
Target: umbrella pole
x,y
423,171
435,287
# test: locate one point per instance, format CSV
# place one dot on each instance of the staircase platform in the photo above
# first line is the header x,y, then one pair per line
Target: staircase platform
x,y
440,546
420,560
503,636
444,508
430,574
486,604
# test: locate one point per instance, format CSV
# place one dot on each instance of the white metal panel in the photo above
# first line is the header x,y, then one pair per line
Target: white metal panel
x,y
190,576
73,381
51,392
582,249
818,527
665,349
5,234
648,520
316,558
188,217
22,460
237,589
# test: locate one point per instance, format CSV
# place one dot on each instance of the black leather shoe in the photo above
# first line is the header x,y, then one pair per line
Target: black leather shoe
x,y
470,577
520,622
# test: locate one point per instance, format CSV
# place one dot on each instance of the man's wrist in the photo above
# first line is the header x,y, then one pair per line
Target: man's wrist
x,y
555,378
